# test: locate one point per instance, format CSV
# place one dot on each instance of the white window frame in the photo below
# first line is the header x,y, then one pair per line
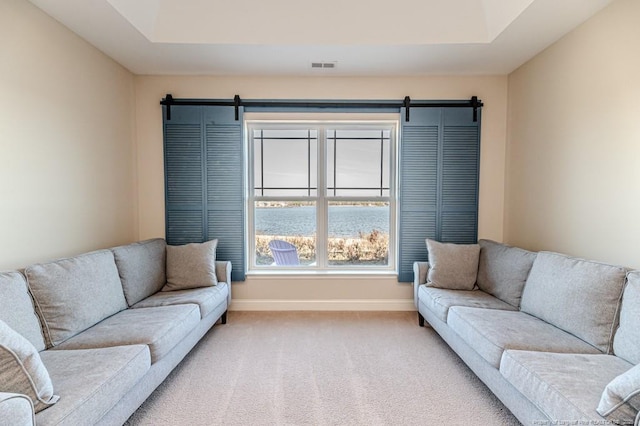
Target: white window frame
x,y
322,199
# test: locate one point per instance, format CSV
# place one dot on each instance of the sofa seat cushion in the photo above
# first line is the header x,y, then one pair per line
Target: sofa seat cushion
x,y
161,328
439,300
207,298
565,387
490,332
91,381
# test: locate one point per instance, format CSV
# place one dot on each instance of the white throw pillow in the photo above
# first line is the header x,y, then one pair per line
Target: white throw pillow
x,y
22,370
452,266
621,397
191,266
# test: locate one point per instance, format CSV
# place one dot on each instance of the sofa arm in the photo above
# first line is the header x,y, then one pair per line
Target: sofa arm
x,y
420,271
223,273
16,410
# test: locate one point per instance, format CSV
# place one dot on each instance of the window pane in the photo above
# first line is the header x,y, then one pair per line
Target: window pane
x,y
291,222
257,166
358,162
285,162
358,234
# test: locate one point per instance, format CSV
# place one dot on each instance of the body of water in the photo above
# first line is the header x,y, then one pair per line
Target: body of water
x,y
344,221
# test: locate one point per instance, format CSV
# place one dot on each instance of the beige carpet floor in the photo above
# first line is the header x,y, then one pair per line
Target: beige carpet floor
x,y
322,368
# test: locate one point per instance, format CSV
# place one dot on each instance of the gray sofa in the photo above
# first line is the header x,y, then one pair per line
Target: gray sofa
x,y
546,333
105,331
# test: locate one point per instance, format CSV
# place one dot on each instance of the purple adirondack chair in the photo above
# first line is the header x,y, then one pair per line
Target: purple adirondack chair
x,y
284,253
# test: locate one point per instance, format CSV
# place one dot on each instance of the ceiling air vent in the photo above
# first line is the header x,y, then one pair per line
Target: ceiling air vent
x,y
323,64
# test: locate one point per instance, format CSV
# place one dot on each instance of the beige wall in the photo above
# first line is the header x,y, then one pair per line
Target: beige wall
x,y
573,162
66,142
150,89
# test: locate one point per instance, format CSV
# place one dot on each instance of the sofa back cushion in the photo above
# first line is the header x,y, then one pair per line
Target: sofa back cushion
x,y
503,270
74,294
142,268
17,310
626,343
579,296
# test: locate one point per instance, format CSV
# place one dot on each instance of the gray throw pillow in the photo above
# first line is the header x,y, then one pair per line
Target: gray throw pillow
x,y
22,370
452,266
621,391
191,266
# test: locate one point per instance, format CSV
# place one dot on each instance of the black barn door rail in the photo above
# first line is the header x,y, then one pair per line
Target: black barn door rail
x,y
407,103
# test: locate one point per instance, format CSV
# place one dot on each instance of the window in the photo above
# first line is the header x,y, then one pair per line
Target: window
x,y
322,195
211,191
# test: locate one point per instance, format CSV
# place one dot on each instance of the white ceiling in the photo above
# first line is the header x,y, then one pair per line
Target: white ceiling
x,y
283,37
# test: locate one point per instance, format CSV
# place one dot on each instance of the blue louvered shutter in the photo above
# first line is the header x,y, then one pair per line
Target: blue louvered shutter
x,y
459,176
418,187
225,185
438,188
184,187
204,180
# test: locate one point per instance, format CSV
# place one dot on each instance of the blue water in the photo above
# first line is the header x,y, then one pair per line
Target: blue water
x,y
344,221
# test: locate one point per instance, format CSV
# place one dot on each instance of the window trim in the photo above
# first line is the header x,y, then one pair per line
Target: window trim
x,y
322,198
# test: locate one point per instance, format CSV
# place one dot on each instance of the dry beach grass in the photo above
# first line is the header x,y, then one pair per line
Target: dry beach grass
x,y
372,248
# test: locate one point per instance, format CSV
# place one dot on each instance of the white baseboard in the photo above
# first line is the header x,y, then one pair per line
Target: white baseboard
x,y
322,305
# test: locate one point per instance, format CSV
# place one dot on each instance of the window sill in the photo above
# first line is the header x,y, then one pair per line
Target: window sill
x,y
289,273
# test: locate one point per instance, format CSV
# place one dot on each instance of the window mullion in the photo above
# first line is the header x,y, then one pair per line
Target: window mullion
x,y
262,162
322,206
381,162
335,162
309,162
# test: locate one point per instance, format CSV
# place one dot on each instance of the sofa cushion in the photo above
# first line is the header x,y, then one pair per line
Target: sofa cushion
x,y
92,381
439,300
17,310
22,370
452,266
160,328
490,332
503,270
73,294
142,267
626,343
622,395
16,410
207,298
191,266
578,296
565,387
